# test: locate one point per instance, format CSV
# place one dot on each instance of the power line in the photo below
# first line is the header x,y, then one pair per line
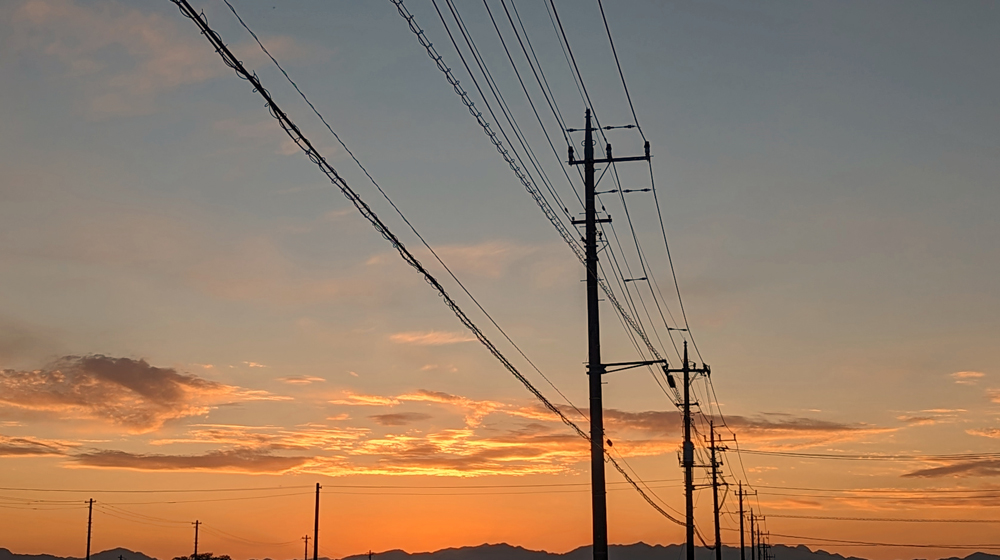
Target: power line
x,y
398,211
877,457
151,491
884,490
988,546
295,134
619,64
215,500
529,186
571,59
889,519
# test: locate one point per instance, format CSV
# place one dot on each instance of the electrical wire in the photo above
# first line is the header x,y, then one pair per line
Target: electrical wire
x,y
888,519
536,195
295,134
878,457
979,547
150,491
399,212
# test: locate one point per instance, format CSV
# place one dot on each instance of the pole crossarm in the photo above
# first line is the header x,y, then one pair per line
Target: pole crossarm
x,y
622,366
705,369
613,160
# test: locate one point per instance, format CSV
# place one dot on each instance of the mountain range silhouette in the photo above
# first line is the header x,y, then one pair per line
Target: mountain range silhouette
x,y
637,551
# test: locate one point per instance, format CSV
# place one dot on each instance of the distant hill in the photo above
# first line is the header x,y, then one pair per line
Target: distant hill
x,y
637,551
112,554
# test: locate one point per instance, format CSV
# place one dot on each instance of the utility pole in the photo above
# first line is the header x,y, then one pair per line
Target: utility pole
x,y
196,524
743,550
316,527
90,523
688,453
715,488
753,546
305,555
760,543
595,368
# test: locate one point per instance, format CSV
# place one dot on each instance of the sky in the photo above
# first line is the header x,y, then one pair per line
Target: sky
x,y
194,324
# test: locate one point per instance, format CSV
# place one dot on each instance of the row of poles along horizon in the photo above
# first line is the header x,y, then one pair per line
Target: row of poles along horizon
x,y
595,370
197,525
759,550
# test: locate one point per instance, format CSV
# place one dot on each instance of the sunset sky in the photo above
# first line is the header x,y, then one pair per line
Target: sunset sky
x,y
189,310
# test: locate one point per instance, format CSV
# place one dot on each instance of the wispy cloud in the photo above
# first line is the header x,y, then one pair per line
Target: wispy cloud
x,y
399,418
353,399
431,338
301,379
967,377
980,468
236,460
124,58
653,432
985,432
461,452
129,393
489,259
33,447
316,438
919,420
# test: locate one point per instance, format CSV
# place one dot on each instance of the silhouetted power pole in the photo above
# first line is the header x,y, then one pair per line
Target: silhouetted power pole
x,y
753,546
196,524
316,526
760,543
595,368
688,457
743,551
716,463
305,555
90,523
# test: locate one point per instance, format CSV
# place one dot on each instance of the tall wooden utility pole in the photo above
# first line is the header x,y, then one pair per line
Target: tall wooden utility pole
x,y
688,450
753,546
715,488
595,367
316,526
743,552
90,523
196,524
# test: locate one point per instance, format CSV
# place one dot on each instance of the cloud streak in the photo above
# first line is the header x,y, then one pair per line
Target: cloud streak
x,y
89,40
237,460
431,338
122,391
980,468
33,447
399,418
